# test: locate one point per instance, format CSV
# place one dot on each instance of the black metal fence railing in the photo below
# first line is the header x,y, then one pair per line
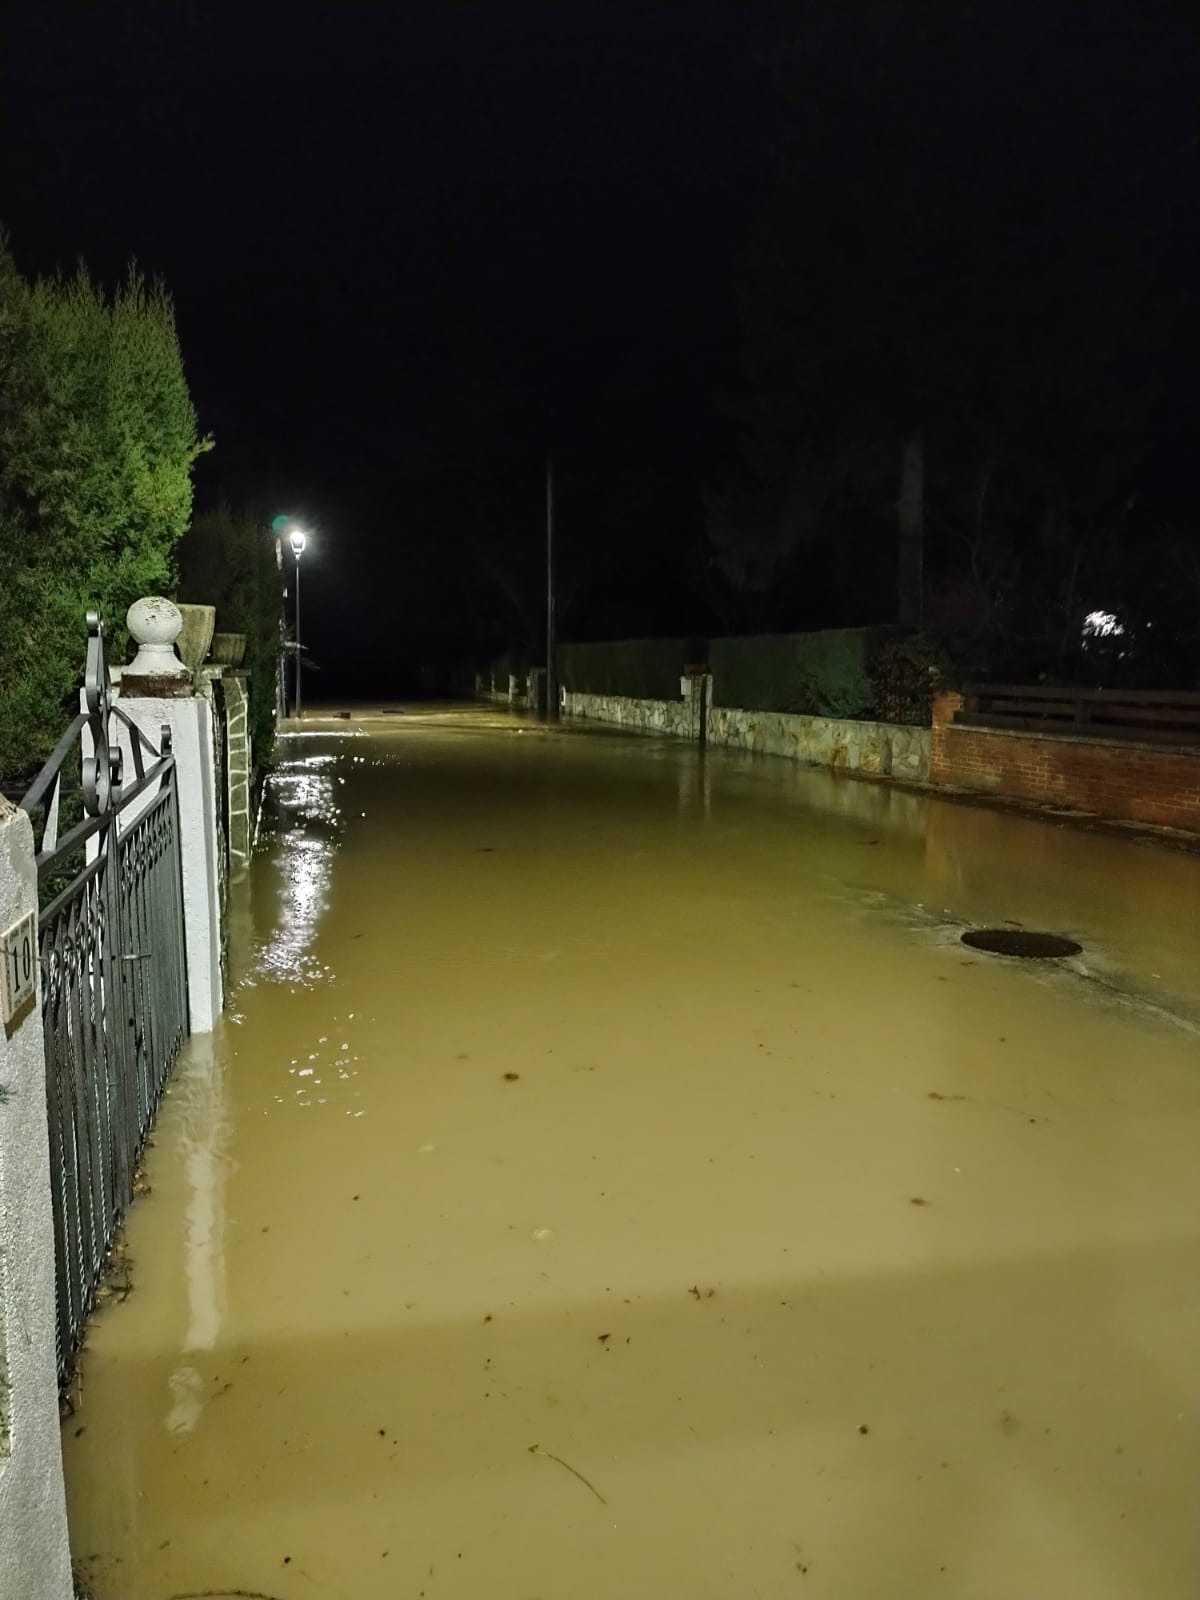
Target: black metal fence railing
x,y
151,922
114,983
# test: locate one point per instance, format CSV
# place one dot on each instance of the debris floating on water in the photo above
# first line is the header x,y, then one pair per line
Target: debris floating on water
x,y
536,1450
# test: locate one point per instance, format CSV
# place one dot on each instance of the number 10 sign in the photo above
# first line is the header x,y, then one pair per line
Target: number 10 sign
x,y
18,964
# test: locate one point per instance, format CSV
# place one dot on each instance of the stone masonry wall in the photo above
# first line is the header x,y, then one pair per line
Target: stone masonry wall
x,y
867,747
237,767
671,718
883,748
1116,778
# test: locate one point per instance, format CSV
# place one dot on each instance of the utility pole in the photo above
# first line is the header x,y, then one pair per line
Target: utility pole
x,y
551,683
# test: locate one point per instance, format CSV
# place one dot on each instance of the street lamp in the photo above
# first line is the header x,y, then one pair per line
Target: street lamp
x,y
297,540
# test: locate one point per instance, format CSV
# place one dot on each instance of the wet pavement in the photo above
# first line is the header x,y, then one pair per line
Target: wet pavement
x,y
613,1177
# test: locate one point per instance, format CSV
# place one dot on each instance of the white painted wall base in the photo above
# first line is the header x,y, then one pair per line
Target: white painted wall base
x,y
35,1559
190,719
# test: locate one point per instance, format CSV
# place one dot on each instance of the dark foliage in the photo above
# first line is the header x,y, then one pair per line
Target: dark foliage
x,y
227,559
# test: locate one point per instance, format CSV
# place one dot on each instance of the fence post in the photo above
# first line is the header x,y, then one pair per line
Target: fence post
x,y
697,695
35,1560
536,696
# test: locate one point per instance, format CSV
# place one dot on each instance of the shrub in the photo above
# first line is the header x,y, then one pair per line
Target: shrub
x,y
905,673
824,674
97,442
227,559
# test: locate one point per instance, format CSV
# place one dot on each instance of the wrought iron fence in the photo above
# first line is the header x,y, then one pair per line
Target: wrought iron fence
x,y
114,984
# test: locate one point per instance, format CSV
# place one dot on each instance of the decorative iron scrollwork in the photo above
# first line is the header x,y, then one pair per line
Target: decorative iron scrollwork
x,y
102,771
96,682
105,782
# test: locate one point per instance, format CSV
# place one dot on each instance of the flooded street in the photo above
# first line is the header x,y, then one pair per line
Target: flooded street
x,y
613,1178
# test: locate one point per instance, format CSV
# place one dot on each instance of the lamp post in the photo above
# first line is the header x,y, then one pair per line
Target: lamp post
x,y
297,541
551,668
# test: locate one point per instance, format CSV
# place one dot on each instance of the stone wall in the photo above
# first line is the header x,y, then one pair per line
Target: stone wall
x,y
883,748
35,1562
672,719
238,759
1117,778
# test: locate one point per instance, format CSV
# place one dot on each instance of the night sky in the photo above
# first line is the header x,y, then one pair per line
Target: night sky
x,y
416,248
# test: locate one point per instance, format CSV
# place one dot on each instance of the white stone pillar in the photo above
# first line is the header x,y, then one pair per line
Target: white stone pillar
x,y
35,1560
191,723
164,699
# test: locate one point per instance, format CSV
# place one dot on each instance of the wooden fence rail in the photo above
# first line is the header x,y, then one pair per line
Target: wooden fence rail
x,y
1167,716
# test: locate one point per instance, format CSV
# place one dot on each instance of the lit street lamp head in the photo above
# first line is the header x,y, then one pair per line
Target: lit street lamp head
x,y
297,539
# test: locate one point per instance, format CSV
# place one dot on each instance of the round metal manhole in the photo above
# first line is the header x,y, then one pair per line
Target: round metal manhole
x,y
1020,942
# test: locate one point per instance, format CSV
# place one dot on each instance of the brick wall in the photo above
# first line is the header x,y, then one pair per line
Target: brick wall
x,y
1112,778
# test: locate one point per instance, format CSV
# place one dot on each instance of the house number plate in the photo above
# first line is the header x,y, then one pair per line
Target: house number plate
x,y
18,964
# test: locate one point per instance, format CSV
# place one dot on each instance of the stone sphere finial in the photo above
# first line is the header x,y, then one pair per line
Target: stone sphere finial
x,y
154,623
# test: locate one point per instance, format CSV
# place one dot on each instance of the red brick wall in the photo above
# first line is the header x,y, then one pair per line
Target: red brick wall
x,y
1134,782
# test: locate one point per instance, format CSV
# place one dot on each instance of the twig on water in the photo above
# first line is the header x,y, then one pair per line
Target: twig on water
x,y
536,1450
225,1594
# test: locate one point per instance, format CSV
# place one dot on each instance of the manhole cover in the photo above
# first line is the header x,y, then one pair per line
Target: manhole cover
x,y
1019,942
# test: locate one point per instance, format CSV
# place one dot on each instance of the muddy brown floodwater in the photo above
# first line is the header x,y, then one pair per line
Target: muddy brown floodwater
x,y
613,1178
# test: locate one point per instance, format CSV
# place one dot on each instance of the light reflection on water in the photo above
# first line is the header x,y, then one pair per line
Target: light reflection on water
x,y
199,1097
302,793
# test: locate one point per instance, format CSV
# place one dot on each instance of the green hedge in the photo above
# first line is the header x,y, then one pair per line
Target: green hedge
x,y
827,674
97,443
642,669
